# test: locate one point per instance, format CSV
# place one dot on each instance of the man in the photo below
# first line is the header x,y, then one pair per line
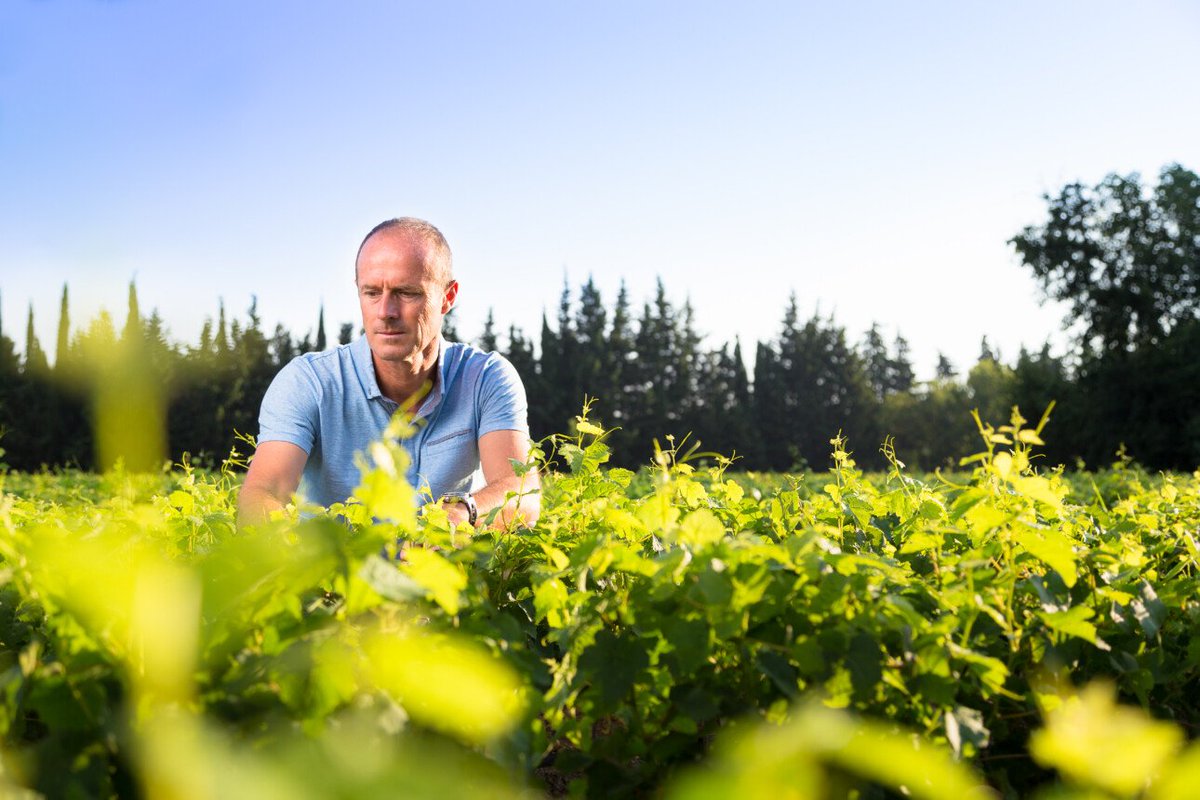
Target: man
x,y
469,406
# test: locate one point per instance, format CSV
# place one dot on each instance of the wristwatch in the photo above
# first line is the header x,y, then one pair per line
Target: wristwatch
x,y
467,500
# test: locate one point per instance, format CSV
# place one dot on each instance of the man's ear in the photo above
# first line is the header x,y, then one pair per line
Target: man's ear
x,y
450,298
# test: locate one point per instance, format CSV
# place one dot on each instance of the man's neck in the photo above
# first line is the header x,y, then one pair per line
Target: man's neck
x,y
407,381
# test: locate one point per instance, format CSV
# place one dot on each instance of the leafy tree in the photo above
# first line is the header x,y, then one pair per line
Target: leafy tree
x,y
346,333
1124,259
1039,379
990,386
930,426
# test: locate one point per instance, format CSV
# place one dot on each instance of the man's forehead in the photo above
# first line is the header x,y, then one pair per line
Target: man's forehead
x,y
374,279
387,249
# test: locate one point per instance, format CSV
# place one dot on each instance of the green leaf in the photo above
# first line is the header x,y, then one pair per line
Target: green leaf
x,y
965,731
865,664
549,600
781,672
1149,611
388,581
1039,489
1051,548
387,497
700,529
583,426
1074,622
183,501
991,671
621,477
1094,742
612,664
1027,436
691,492
689,641
921,540
443,581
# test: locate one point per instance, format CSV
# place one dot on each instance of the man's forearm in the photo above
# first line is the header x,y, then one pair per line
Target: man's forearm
x,y
255,505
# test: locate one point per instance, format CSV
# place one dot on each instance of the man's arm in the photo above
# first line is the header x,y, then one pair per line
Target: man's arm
x,y
519,497
271,481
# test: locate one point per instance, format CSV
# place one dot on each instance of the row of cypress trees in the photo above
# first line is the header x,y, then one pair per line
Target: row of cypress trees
x,y
648,370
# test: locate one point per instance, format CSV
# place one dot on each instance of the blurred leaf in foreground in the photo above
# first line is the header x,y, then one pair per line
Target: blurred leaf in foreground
x,y
1093,741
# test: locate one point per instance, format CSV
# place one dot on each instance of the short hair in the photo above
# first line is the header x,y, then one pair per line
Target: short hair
x,y
437,250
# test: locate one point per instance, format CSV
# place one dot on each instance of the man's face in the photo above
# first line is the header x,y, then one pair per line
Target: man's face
x,y
402,299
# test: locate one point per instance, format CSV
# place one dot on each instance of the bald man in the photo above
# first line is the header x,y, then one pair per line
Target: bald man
x,y
469,406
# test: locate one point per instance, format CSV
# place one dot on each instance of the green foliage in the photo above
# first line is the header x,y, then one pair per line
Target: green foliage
x,y
821,636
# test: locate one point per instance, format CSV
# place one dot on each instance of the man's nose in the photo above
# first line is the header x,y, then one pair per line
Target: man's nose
x,y
389,307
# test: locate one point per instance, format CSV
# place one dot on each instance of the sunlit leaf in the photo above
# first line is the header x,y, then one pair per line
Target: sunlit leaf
x,y
1094,742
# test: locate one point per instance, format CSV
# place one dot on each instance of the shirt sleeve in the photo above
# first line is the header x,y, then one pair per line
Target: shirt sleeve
x,y
290,408
502,403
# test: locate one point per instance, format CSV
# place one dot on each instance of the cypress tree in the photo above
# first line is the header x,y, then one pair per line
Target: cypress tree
x,y
620,404
321,329
35,357
592,368
945,368
487,339
876,362
63,345
551,412
133,319
901,374
222,339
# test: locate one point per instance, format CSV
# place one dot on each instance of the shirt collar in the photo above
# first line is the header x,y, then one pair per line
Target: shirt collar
x,y
360,354
435,395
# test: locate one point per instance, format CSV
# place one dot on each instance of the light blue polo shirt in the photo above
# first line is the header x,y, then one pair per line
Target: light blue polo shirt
x,y
329,405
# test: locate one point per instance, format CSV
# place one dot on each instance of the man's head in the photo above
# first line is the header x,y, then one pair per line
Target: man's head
x,y
405,282
437,251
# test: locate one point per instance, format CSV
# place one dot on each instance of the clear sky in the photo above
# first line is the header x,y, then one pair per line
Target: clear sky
x,y
872,157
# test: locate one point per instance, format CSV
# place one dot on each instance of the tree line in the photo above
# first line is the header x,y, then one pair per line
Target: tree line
x,y
1125,257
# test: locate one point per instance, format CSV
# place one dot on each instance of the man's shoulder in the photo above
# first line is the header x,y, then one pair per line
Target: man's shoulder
x,y
332,362
327,372
469,362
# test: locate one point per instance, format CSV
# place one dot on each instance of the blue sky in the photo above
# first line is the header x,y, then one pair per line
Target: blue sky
x,y
871,157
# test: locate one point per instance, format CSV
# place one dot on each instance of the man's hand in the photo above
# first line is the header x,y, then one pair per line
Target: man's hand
x,y
519,497
271,481
457,513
